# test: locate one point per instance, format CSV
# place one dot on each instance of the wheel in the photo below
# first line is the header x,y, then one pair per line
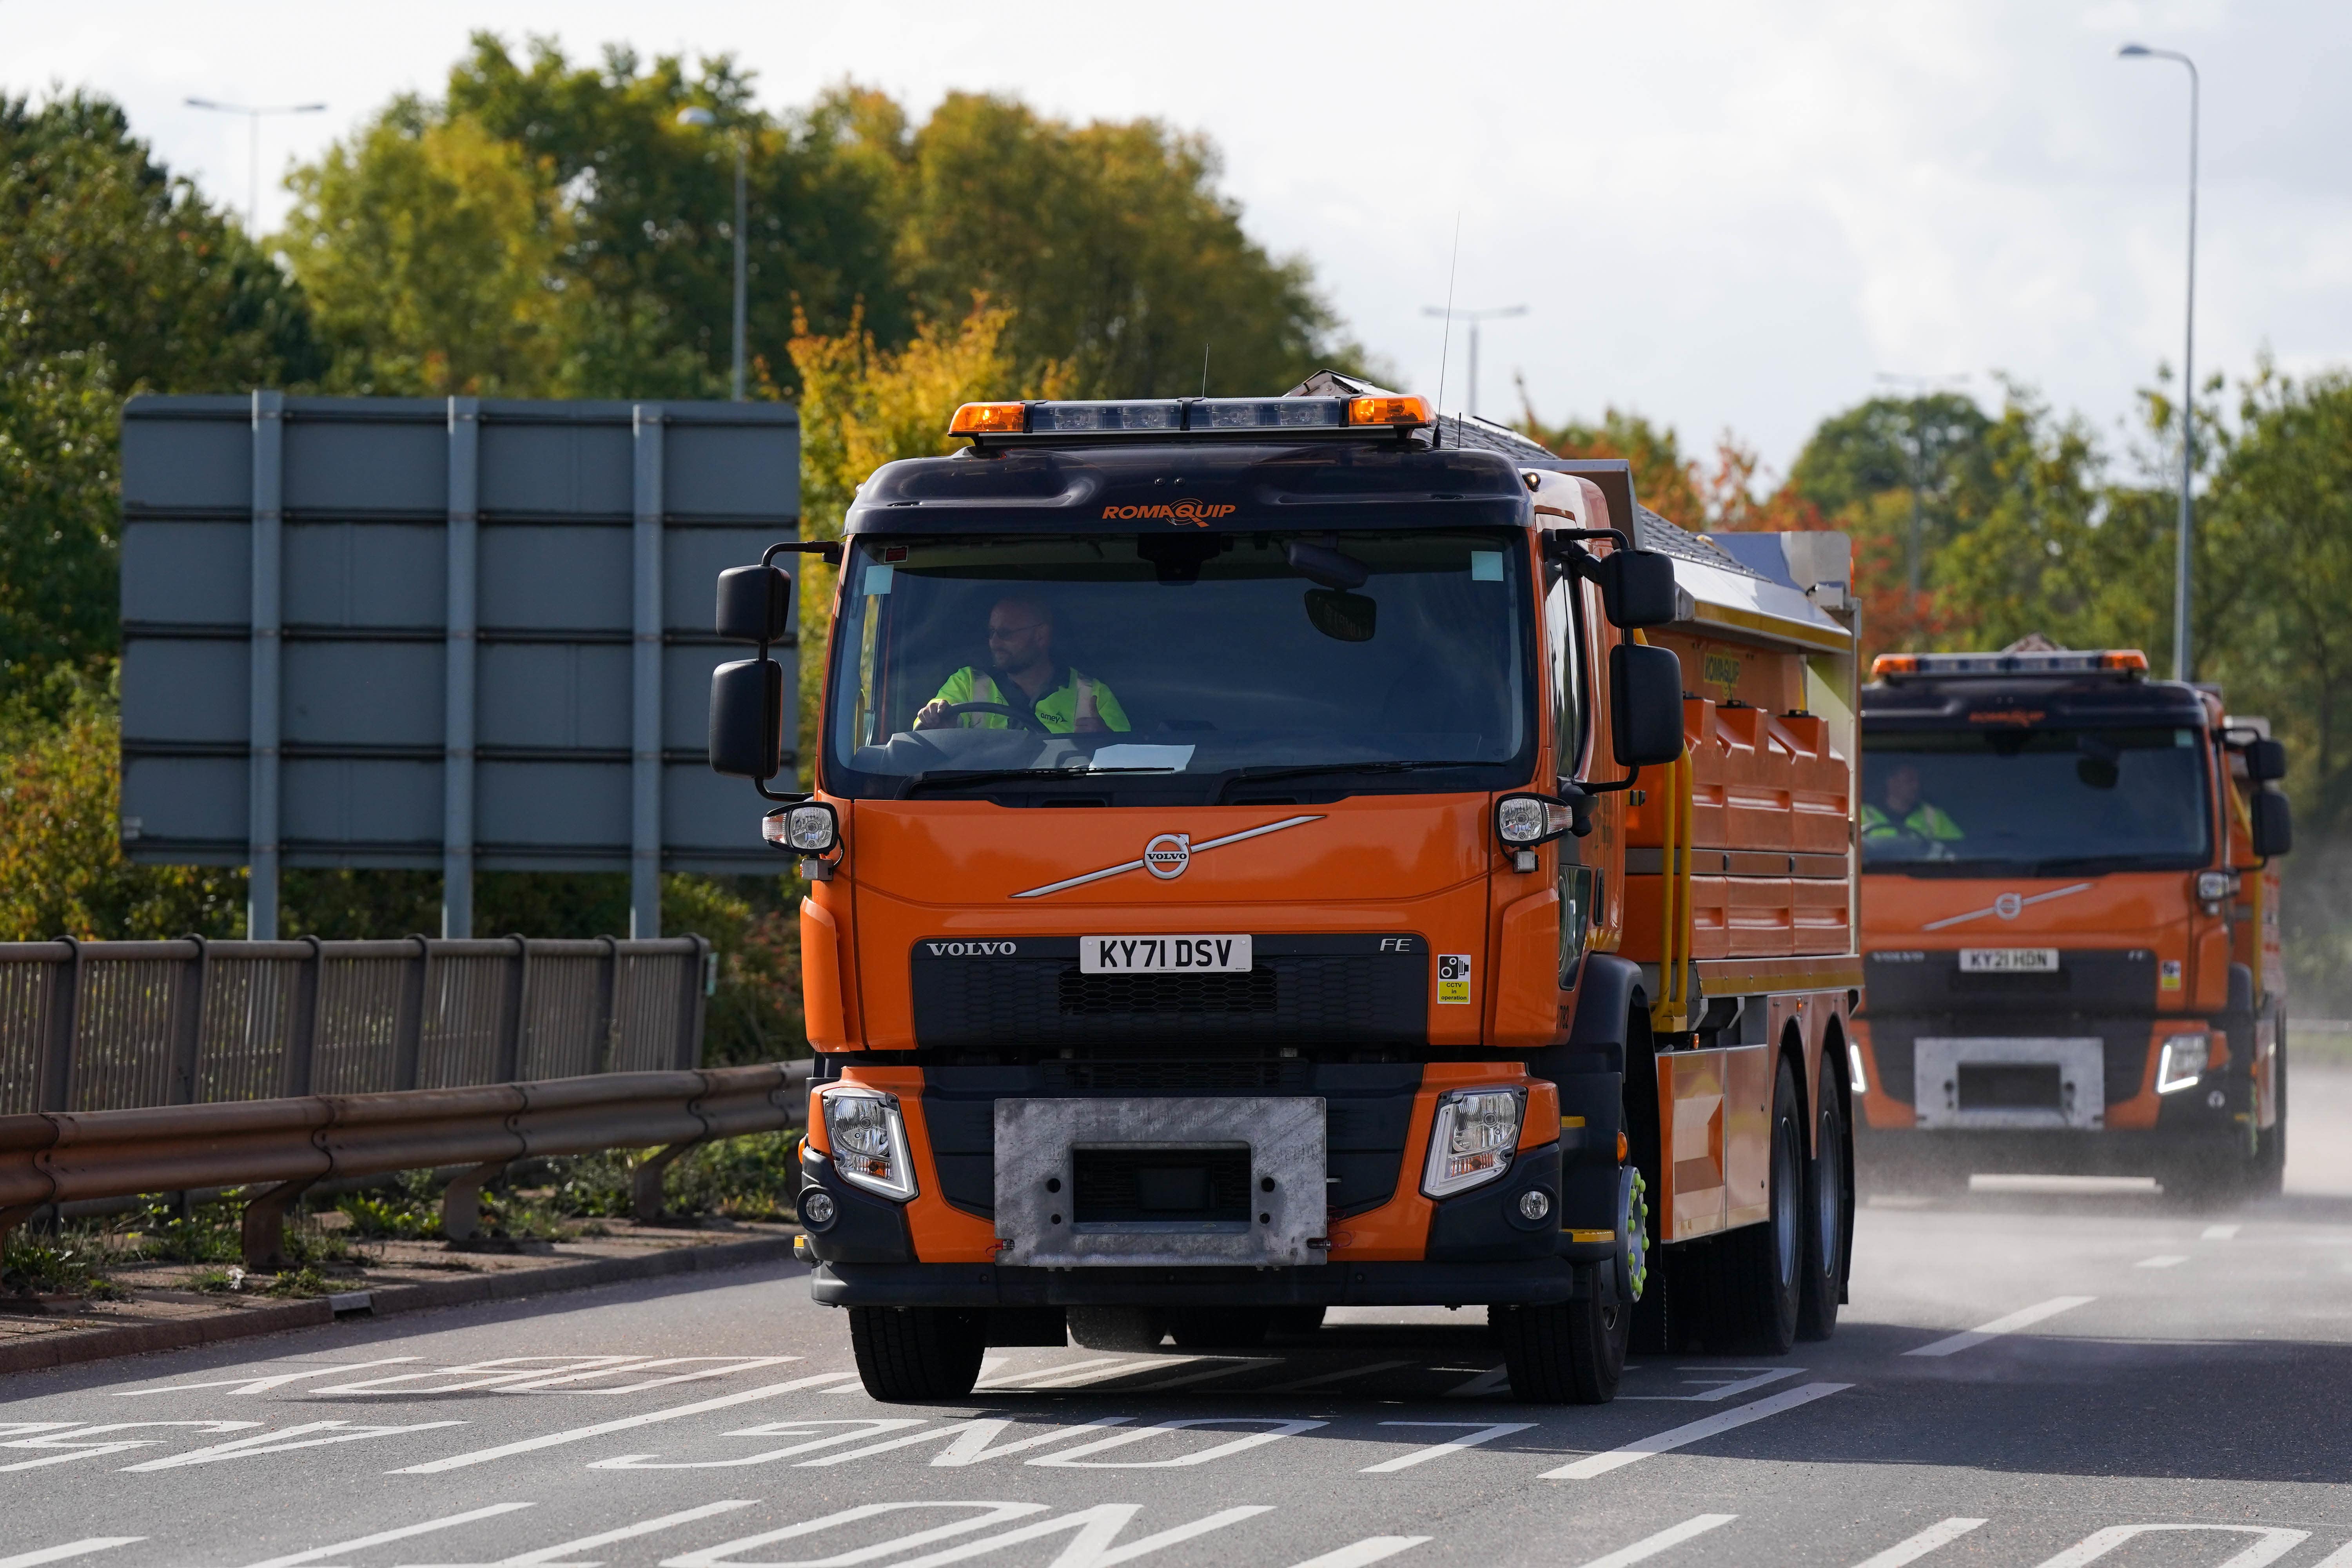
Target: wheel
x,y
1206,1328
1297,1321
1115,1327
1567,1352
917,1355
1747,1282
1829,1211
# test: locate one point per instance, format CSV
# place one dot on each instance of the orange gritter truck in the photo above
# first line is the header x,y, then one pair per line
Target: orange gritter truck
x,y
2069,918
1273,853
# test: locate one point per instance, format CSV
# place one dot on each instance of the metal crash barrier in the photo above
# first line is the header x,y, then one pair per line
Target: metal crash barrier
x,y
292,1144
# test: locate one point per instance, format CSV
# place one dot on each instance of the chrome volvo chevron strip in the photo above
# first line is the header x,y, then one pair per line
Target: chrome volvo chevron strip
x,y
1137,864
1997,907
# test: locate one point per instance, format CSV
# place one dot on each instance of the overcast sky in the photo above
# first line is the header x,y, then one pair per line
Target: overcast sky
x,y
1734,216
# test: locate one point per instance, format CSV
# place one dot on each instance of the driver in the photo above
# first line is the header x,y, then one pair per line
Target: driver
x,y
1025,676
1908,819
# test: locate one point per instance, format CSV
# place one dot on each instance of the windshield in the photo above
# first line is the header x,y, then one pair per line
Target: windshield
x,y
1182,665
2036,801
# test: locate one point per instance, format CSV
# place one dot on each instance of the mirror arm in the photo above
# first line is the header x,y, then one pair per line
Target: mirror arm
x,y
1625,783
829,550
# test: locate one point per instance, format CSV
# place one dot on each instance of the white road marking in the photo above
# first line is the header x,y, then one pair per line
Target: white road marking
x,y
2025,1318
869,1428
2161,1261
1726,1387
548,1554
1076,1460
730,1364
1097,1528
1022,1378
1103,1375
381,1538
1372,1549
2339,1558
264,1385
1487,1382
84,1442
1942,1533
1651,1545
2219,1232
972,1441
1244,1364
2274,1544
998,1512
491,1374
1364,1371
1469,1439
83,1548
623,1424
1641,1448
285,1440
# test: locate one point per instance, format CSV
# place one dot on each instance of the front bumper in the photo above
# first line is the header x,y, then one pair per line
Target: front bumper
x,y
1336,1284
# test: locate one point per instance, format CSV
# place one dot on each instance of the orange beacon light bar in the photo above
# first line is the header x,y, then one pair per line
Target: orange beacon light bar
x,y
1278,417
989,419
2126,662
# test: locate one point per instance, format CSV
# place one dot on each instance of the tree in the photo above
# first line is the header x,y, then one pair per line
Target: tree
x,y
58,490
1663,480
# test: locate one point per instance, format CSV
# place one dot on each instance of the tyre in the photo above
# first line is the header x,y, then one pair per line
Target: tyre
x,y
1829,1211
917,1355
1748,1283
1116,1328
1297,1321
1209,1328
1567,1352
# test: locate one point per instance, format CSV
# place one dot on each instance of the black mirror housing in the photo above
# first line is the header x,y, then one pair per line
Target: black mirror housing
x,y
1341,616
1645,705
2265,760
1637,589
747,717
2274,823
755,603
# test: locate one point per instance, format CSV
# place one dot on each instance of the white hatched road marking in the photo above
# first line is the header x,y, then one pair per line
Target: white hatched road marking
x,y
1726,1387
1024,1379
623,1424
1487,1382
730,1364
387,1537
1076,1460
1372,1549
998,1513
84,1547
307,1435
1096,1530
85,1442
2274,1544
1364,1371
972,1441
1941,1534
1951,1344
268,1382
868,1426
2219,1232
2339,1558
1243,1364
1641,1448
549,1555
1064,1379
2161,1261
1469,1439
1651,1545
491,1374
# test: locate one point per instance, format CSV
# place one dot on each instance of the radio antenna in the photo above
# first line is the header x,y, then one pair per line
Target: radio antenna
x,y
1204,369
1445,343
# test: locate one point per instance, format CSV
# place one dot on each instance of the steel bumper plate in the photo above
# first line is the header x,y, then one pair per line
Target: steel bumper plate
x,y
1039,1225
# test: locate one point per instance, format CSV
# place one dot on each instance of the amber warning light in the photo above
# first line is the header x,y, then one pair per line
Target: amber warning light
x,y
2126,662
989,419
1230,416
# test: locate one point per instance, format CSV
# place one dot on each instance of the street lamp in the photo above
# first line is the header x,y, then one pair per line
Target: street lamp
x,y
1474,318
253,146
1920,386
698,116
2181,665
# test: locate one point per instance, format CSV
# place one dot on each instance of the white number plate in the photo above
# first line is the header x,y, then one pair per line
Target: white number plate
x,y
2009,961
1164,954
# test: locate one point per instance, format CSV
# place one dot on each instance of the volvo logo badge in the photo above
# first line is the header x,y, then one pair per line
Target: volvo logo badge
x,y
2008,906
1167,856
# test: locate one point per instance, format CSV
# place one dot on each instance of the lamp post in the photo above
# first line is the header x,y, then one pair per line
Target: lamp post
x,y
2182,665
253,146
699,116
1473,317
1920,386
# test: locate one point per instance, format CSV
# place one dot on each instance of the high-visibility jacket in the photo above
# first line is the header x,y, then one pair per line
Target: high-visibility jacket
x,y
1072,696
1926,823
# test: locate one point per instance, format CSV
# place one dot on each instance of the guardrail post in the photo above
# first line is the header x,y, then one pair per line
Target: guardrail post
x,y
263,1233
461,1200
302,1032
188,1022
56,1090
408,1029
511,1024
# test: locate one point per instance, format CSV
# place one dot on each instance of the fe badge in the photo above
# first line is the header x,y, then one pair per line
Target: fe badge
x,y
1453,977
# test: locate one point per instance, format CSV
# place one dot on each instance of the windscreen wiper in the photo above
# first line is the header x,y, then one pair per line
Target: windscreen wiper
x,y
985,775
1308,770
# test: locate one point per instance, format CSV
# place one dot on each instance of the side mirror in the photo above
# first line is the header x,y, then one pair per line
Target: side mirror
x,y
747,717
2265,760
755,603
2274,822
1637,589
1645,705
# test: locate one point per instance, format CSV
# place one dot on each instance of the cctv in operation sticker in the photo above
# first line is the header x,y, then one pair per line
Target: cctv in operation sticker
x,y
1453,977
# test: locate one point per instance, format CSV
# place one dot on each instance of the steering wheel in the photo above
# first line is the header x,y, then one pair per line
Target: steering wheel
x,y
1026,720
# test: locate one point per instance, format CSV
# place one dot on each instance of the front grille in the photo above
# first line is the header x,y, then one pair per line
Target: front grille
x,y
2107,992
2005,1086
1117,1186
1105,996
1159,1076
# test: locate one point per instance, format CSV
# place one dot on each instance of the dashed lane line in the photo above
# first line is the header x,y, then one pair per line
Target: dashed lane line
x,y
1939,1534
1469,1439
2162,1261
603,1538
2025,1318
1369,1550
623,1424
1641,1448
2274,1542
385,1537
1665,1540
2222,1233
106,1542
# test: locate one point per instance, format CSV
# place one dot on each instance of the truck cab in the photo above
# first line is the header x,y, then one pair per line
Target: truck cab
x,y
1219,901
2070,912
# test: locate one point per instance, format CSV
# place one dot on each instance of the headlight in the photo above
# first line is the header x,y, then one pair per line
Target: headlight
x,y
2213,887
2182,1063
869,1141
1524,821
802,830
1471,1139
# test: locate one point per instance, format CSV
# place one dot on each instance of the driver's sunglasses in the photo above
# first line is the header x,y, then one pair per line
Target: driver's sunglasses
x,y
1006,634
